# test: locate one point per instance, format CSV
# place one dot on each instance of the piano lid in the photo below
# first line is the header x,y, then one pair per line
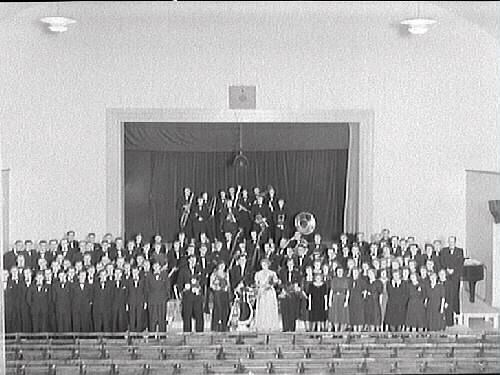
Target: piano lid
x,y
472,262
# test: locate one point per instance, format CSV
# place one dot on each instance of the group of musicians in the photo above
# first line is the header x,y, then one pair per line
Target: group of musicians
x,y
225,247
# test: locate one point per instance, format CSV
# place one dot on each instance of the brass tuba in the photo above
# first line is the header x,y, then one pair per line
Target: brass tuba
x,y
305,223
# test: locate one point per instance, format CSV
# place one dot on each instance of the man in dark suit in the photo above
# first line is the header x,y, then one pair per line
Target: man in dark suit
x,y
220,207
183,206
261,211
289,296
158,254
280,221
12,293
241,274
316,248
25,308
158,293
38,301
452,259
301,260
61,296
72,242
10,257
199,218
31,254
102,303
251,244
81,304
136,301
220,253
206,269
41,253
119,321
364,245
188,283
64,249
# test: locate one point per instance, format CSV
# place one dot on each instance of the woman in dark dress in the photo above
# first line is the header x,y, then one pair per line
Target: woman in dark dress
x,y
435,303
303,312
219,283
338,313
373,300
317,295
448,297
415,316
356,301
397,291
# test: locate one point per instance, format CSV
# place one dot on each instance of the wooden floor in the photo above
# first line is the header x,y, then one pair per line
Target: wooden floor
x,y
479,305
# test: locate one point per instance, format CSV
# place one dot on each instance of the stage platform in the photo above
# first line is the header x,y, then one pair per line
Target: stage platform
x,y
477,315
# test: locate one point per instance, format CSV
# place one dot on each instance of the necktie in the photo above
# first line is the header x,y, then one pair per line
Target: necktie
x,y
289,276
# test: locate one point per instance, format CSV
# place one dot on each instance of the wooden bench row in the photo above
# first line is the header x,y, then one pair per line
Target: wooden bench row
x,y
343,366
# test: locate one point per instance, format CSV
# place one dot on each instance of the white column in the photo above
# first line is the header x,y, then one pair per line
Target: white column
x,y
495,266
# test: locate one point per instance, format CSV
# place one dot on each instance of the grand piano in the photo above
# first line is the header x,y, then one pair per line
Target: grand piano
x,y
473,272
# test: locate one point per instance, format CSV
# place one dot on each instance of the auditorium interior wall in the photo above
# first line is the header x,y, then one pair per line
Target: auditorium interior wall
x,y
435,97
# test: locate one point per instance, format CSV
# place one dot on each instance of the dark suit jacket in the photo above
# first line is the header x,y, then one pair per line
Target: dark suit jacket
x,y
62,297
235,275
185,276
174,258
81,300
295,276
38,300
136,296
157,288
102,298
455,261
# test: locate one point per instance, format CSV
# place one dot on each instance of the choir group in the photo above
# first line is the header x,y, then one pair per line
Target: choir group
x,y
238,258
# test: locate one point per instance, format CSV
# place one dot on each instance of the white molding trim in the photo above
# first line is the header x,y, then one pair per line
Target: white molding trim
x,y
116,117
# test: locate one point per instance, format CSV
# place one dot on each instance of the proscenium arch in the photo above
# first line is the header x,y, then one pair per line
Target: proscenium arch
x,y
115,148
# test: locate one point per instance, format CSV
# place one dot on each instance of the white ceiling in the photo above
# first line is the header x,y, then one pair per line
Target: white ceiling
x,y
484,14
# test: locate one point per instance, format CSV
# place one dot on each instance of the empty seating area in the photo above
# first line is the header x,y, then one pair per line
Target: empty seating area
x,y
252,353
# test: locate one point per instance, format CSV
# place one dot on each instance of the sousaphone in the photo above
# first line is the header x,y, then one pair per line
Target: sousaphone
x,y
305,223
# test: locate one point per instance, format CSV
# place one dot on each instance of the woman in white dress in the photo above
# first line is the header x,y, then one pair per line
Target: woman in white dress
x,y
266,310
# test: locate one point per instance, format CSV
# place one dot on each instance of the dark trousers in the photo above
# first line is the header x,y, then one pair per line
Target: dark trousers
x,y
26,322
40,320
63,320
12,319
119,321
289,313
102,321
82,321
192,307
52,323
157,316
455,305
136,317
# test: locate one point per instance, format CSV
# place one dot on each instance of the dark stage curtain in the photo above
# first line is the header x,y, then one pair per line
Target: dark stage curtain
x,y
313,181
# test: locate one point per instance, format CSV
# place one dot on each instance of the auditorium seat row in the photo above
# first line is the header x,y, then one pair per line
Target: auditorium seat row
x,y
252,353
